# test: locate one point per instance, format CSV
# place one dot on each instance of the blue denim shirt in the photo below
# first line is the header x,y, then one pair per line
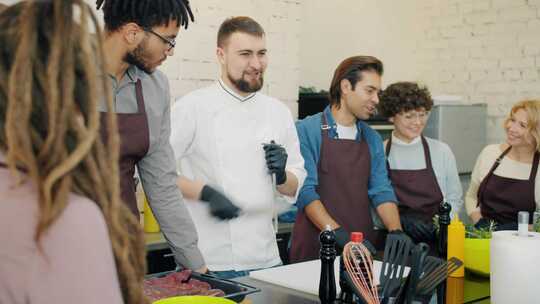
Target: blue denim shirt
x,y
309,133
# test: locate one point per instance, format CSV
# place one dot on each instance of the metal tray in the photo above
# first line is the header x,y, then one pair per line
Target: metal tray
x,y
234,291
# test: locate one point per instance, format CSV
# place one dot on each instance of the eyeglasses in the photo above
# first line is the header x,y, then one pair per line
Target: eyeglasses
x,y
170,42
415,115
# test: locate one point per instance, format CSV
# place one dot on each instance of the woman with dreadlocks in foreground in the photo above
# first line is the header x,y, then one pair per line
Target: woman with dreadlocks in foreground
x,y
66,237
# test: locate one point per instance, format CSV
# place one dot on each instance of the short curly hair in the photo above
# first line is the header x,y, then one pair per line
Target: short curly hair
x,y
402,97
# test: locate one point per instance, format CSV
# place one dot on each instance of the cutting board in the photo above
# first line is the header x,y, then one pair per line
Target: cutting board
x,y
304,276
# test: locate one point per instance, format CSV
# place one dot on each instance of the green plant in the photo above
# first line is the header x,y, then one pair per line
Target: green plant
x,y
479,233
436,223
310,90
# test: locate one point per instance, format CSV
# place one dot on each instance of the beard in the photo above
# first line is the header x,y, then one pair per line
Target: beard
x,y
138,56
245,86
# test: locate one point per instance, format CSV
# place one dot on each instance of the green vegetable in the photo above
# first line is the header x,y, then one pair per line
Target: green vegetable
x,y
479,233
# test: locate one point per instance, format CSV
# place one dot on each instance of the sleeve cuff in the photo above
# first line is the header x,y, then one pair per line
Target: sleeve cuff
x,y
384,197
305,198
189,258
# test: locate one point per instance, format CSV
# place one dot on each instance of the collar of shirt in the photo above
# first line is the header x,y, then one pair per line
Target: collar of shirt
x,y
232,93
332,126
131,76
398,141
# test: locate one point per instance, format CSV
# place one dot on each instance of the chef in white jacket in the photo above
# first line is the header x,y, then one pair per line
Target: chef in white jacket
x,y
229,139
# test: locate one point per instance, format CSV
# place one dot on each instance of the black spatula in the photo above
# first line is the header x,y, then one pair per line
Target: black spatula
x,y
396,254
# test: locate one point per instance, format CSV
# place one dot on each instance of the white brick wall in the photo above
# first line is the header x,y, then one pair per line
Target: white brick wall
x,y
194,63
485,50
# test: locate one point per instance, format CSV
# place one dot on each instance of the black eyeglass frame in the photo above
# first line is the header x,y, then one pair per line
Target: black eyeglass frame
x,y
170,42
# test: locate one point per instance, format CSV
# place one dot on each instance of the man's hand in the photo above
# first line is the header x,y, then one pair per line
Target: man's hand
x,y
342,238
401,234
482,223
475,216
203,270
276,160
220,206
418,230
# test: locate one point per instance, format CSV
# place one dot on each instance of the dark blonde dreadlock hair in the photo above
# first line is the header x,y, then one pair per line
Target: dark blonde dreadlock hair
x,y
51,81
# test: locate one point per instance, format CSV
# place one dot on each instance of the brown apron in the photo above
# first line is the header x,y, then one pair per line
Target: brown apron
x,y
343,170
501,198
417,191
134,144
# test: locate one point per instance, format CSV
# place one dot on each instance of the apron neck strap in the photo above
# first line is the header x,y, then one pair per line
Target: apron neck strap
x,y
534,166
388,146
324,124
499,159
140,97
483,184
427,155
325,127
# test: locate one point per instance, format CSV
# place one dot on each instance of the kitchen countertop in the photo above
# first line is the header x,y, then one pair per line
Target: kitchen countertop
x,y
474,288
156,241
274,294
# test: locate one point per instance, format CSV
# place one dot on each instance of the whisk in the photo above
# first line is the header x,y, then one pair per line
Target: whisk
x,y
359,266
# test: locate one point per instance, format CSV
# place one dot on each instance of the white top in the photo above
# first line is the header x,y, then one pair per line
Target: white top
x,y
507,168
410,156
75,263
218,140
347,132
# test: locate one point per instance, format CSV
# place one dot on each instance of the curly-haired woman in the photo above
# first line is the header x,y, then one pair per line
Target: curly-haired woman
x,y
423,170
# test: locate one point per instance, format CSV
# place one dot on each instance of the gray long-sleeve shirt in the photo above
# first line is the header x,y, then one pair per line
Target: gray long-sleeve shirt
x,y
157,168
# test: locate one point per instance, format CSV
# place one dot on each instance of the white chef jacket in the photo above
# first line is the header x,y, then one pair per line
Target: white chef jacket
x,y
217,138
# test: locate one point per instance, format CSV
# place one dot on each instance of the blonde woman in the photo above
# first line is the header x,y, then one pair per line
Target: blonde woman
x,y
65,235
504,180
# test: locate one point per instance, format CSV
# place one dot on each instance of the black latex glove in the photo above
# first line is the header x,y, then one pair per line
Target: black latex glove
x,y
507,226
418,230
220,206
343,237
402,235
483,223
370,247
276,160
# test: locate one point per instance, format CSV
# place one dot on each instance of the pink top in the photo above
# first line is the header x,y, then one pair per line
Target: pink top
x,y
76,264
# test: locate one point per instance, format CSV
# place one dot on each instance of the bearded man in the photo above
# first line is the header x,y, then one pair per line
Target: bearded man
x,y
230,142
139,36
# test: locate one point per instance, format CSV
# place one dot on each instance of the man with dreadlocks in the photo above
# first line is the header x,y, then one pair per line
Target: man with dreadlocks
x,y
139,36
229,140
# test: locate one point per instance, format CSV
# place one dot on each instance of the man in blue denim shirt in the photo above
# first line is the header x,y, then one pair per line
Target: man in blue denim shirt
x,y
346,165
